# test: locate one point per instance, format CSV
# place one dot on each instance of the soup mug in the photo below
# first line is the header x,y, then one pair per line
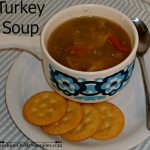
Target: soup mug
x,y
80,86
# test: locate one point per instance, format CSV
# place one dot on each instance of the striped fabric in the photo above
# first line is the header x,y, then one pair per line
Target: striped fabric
x,y
8,130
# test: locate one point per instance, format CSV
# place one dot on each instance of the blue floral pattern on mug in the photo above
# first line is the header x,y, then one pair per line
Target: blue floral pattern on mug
x,y
66,84
112,84
83,89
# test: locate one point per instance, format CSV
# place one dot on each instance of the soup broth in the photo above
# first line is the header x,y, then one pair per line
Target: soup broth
x,y
89,44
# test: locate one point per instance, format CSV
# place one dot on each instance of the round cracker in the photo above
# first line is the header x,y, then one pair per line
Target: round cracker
x,y
112,121
44,108
70,120
87,127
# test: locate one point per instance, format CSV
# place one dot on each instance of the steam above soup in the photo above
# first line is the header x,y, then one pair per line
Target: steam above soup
x,y
89,44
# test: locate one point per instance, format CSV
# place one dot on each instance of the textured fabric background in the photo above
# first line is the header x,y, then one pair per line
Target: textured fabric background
x,y
8,130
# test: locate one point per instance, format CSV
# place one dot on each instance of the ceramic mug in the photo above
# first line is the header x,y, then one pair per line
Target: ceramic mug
x,y
86,87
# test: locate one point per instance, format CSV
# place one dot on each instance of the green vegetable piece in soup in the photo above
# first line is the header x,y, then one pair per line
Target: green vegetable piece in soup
x,y
89,44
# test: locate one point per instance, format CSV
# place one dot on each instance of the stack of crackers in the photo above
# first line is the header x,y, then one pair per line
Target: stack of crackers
x,y
71,120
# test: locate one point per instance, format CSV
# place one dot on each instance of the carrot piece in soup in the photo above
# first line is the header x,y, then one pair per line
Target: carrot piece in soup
x,y
117,44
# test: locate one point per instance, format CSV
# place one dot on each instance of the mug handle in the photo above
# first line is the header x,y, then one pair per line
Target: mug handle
x,y
29,44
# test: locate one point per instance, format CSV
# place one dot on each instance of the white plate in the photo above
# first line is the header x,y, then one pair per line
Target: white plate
x,y
26,78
